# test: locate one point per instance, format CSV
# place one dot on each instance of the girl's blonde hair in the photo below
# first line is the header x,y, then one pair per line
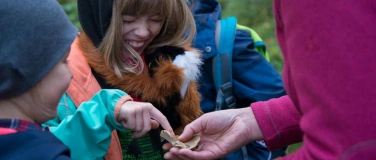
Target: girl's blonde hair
x,y
178,29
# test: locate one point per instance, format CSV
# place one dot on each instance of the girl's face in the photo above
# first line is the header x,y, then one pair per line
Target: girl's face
x,y
50,89
140,31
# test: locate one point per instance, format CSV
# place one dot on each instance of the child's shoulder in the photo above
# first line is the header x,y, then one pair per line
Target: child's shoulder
x,y
33,144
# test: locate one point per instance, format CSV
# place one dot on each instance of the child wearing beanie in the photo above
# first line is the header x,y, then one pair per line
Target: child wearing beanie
x,y
35,42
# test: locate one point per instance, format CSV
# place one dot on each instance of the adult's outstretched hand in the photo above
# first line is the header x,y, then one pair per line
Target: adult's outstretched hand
x,y
221,132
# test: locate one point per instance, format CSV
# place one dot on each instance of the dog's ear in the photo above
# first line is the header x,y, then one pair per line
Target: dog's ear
x,y
188,59
190,62
162,53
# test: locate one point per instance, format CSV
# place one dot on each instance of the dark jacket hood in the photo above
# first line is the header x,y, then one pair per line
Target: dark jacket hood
x,y
206,14
95,17
204,9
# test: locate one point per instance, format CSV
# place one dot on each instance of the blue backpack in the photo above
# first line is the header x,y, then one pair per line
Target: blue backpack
x,y
222,62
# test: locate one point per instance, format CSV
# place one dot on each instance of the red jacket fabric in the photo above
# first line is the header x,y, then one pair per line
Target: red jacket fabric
x,y
329,50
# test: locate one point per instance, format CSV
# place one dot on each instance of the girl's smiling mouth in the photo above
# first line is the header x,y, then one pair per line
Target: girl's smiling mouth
x,y
136,45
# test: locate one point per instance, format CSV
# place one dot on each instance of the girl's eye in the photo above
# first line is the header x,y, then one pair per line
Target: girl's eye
x,y
127,21
156,20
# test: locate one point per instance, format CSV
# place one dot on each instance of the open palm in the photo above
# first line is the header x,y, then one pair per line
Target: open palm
x,y
221,133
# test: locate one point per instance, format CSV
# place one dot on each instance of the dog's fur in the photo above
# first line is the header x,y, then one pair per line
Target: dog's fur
x,y
169,83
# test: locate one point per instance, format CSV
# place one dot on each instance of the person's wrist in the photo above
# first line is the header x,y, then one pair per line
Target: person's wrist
x,y
253,126
119,105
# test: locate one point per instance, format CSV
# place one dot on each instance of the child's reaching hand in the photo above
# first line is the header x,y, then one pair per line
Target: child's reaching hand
x,y
140,117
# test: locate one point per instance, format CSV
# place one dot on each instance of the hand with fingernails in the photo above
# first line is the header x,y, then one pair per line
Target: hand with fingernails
x,y
140,117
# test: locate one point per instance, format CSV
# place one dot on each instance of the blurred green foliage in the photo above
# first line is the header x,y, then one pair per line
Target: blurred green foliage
x,y
70,8
293,148
257,14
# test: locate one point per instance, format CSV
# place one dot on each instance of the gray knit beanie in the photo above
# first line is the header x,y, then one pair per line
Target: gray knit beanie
x,y
34,36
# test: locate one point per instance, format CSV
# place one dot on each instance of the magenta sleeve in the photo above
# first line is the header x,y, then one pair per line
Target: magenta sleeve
x,y
278,120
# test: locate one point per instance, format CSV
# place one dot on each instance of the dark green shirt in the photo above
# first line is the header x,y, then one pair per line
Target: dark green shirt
x,y
148,147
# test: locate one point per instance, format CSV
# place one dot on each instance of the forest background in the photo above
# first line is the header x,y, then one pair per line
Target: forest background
x,y
257,14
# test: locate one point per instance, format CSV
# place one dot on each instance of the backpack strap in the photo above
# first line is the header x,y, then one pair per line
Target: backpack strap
x,y
83,85
222,63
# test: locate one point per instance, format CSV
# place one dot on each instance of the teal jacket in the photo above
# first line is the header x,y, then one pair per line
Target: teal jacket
x,y
74,125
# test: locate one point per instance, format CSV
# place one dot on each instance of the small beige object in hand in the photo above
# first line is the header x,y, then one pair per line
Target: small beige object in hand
x,y
173,139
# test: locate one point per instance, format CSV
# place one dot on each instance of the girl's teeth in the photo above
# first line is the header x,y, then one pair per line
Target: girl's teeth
x,y
135,44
